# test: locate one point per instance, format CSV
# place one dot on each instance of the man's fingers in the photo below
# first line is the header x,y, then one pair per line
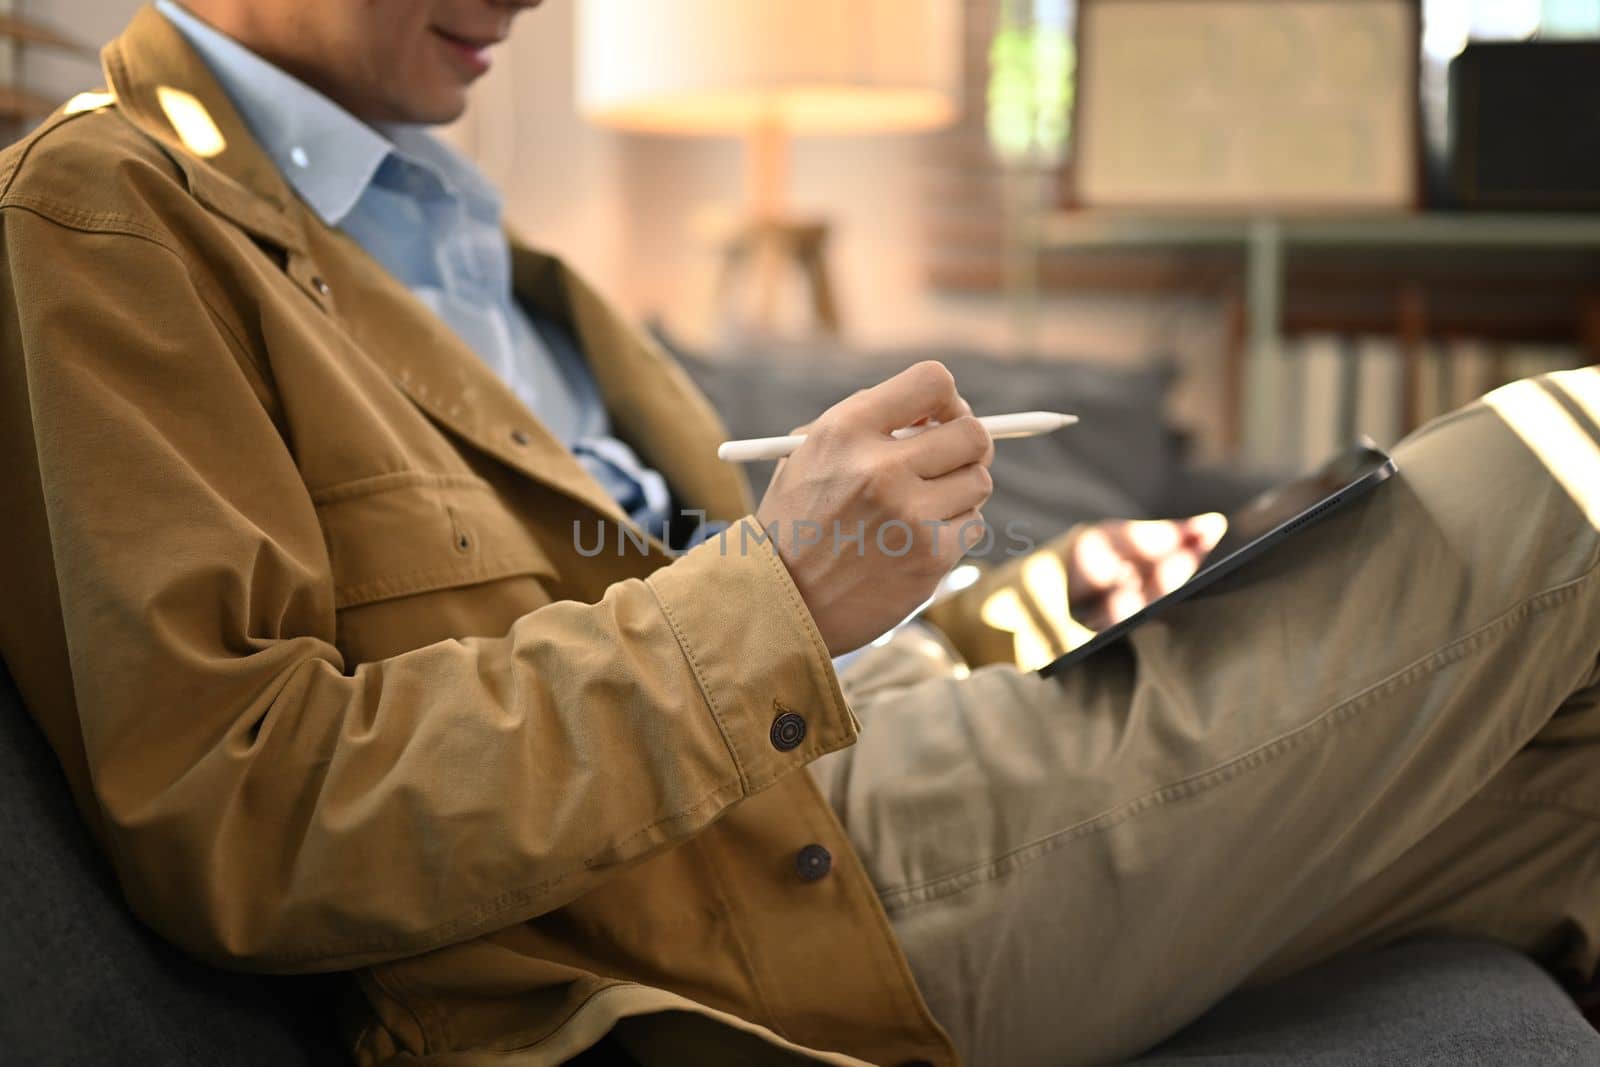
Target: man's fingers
x,y
1121,603
1097,564
1147,541
1204,531
949,446
969,529
922,391
962,490
1172,572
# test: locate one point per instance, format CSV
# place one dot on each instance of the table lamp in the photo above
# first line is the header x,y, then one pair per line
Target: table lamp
x,y
767,70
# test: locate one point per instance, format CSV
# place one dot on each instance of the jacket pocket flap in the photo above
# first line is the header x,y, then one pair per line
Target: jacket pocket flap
x,y
412,532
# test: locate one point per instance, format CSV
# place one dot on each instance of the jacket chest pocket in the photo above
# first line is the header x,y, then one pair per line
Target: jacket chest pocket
x,y
418,558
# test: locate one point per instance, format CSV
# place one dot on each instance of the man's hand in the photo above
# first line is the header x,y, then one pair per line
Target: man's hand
x,y
1115,568
866,524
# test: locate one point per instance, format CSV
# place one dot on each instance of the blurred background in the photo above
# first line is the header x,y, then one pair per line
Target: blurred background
x,y
1240,231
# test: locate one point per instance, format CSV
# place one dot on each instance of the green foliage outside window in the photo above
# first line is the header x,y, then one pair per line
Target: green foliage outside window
x,y
1032,60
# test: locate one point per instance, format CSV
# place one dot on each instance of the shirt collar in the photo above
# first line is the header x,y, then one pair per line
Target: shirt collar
x,y
459,174
327,154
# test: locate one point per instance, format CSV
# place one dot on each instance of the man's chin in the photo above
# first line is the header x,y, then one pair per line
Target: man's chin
x,y
434,109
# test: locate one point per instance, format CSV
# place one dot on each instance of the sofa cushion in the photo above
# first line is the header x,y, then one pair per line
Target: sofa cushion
x,y
82,982
1422,1002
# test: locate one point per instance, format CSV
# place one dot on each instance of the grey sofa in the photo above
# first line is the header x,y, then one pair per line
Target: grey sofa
x,y
82,983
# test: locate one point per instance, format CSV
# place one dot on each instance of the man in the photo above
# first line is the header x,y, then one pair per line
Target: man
x,y
292,479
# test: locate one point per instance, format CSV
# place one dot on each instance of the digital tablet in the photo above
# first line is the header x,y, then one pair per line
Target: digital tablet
x,y
1257,527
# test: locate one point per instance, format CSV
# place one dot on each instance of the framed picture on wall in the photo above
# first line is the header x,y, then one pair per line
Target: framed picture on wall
x,y
1229,105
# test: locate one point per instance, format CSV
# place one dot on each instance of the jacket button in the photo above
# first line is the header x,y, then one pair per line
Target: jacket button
x,y
520,436
319,285
788,730
812,863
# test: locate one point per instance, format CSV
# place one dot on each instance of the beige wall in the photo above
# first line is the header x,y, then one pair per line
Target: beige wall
x,y
870,189
92,22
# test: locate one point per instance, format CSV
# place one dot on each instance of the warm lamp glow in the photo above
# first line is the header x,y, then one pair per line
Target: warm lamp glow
x,y
768,70
807,66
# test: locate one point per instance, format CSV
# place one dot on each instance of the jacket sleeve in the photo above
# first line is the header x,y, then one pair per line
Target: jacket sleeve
x,y
271,807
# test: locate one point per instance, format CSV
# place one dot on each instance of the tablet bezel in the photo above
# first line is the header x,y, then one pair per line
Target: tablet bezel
x,y
1211,572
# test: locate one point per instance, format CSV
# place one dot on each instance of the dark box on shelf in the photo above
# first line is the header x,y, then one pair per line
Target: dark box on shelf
x,y
1525,126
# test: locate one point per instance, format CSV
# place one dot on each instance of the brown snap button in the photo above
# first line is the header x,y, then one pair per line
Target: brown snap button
x,y
788,730
812,863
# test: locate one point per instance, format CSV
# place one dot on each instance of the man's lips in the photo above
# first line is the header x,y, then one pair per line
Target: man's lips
x,y
472,50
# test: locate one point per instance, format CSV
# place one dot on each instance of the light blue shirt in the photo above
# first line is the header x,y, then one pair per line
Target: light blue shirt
x,y
431,218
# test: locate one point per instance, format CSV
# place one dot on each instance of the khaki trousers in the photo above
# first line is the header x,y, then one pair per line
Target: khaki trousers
x,y
1389,726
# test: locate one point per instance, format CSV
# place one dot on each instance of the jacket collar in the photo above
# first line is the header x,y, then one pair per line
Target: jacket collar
x,y
167,91
327,154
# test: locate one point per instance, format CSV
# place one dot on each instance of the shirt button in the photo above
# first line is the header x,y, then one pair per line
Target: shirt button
x,y
520,436
812,863
788,730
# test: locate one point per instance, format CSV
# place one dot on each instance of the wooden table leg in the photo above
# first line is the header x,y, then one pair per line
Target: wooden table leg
x,y
1233,354
1413,333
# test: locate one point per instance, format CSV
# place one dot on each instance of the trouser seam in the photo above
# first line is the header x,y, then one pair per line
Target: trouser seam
x,y
907,897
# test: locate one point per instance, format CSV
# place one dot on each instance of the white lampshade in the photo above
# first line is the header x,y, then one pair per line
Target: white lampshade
x,y
809,66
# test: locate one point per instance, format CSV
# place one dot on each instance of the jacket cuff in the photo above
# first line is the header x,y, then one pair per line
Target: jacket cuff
x,y
762,666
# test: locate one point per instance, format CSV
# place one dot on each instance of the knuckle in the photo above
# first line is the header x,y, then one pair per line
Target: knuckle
x,y
936,374
827,433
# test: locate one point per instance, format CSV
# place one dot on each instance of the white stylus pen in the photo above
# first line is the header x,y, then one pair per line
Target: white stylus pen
x,y
1000,427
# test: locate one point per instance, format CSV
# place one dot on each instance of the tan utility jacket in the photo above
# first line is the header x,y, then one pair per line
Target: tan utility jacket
x,y
292,586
